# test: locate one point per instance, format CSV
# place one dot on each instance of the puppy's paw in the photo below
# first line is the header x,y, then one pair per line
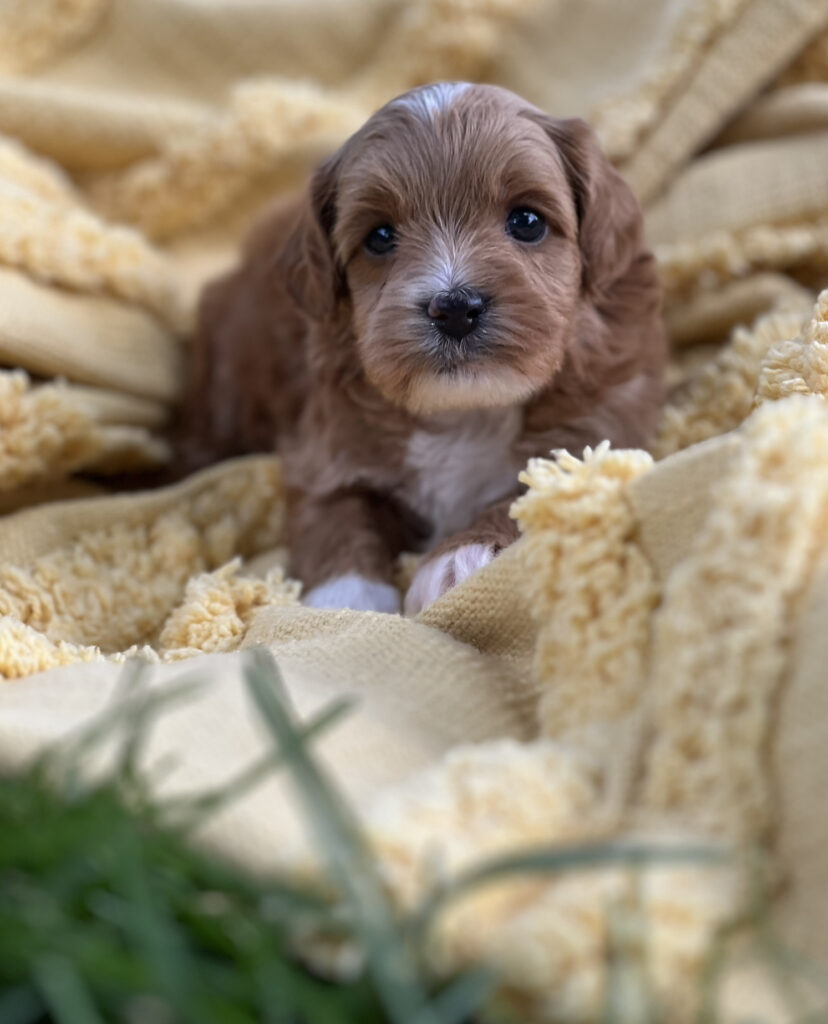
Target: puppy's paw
x,y
440,574
355,592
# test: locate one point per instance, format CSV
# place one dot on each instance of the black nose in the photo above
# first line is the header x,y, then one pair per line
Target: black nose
x,y
458,312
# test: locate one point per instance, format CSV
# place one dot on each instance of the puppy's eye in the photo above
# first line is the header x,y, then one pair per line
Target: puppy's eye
x,y
525,225
381,240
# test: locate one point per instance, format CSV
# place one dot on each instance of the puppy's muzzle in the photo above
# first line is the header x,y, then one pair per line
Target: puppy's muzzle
x,y
458,312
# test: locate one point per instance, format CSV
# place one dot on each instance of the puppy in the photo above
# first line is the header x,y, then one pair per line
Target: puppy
x,y
464,285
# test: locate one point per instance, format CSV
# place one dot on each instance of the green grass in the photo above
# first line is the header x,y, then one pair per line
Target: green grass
x,y
105,914
108,912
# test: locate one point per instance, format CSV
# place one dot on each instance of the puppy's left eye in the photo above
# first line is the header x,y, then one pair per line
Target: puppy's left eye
x,y
381,240
525,225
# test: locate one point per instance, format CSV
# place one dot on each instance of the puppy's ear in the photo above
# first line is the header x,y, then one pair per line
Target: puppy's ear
x,y
610,229
307,262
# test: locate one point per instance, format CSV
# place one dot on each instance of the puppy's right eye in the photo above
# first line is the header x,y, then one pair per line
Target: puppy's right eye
x,y
381,240
525,225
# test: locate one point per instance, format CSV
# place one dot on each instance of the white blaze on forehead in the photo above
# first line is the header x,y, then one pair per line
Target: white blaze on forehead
x,y
442,269
446,268
431,100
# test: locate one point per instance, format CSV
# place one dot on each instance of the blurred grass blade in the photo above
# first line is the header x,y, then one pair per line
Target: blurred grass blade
x,y
154,930
629,997
464,997
146,709
64,992
556,860
132,677
797,978
272,982
339,840
62,762
20,1005
194,810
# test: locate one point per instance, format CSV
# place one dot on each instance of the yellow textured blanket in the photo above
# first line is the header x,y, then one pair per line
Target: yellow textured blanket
x,y
647,661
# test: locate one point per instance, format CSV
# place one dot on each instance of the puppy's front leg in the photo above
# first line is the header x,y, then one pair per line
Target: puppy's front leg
x,y
461,555
341,550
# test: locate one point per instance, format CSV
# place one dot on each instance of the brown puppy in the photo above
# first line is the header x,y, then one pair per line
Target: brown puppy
x,y
465,285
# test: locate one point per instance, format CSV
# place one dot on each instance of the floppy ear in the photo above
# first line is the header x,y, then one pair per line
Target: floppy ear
x,y
307,262
610,229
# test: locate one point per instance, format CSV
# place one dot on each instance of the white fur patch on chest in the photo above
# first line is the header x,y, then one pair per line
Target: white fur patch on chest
x,y
461,464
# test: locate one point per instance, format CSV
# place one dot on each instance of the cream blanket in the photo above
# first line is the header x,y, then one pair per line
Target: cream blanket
x,y
647,661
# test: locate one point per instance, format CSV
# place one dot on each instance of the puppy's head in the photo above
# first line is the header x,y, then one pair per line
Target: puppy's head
x,y
464,227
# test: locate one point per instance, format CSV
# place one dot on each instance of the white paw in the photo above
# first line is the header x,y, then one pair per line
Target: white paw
x,y
441,574
354,591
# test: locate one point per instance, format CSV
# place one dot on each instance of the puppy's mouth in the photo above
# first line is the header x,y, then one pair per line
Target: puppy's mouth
x,y
451,357
448,355
432,371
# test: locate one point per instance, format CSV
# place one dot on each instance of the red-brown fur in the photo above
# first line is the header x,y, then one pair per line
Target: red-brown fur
x,y
322,350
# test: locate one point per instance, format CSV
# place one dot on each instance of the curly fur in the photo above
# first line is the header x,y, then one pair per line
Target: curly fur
x,y
324,351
